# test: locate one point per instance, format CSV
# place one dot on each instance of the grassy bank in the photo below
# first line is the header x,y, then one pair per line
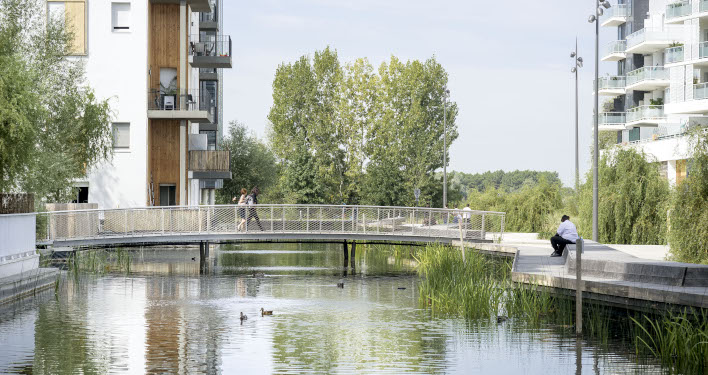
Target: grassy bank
x,y
480,287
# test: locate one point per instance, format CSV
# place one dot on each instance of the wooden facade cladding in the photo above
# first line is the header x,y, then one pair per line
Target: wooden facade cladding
x,y
164,47
163,155
207,161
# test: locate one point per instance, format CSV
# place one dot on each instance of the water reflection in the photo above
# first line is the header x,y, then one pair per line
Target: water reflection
x,y
168,316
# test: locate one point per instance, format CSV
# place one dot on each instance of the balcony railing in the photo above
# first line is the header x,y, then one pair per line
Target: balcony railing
x,y
180,100
647,73
207,161
209,51
658,35
612,83
678,9
674,54
612,118
702,50
617,46
645,112
219,46
700,91
617,10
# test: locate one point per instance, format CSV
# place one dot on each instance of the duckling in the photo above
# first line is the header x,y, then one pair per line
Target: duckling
x,y
243,317
340,284
258,274
501,318
266,312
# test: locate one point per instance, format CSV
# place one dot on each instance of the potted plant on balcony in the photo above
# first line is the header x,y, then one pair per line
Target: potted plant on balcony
x,y
655,103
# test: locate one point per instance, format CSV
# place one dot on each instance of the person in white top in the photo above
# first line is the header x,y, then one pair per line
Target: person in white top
x,y
467,213
566,234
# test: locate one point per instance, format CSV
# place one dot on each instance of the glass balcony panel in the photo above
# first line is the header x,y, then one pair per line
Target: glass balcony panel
x,y
645,112
703,50
647,73
674,54
700,91
703,6
612,82
678,9
667,33
612,118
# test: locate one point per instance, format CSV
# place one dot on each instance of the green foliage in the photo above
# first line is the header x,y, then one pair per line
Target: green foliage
x,y
355,135
526,209
505,181
633,200
689,212
52,127
252,164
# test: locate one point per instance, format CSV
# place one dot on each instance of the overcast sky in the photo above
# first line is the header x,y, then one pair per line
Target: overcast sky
x,y
508,64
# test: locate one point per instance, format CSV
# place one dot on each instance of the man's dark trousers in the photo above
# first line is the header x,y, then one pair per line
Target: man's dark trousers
x,y
559,243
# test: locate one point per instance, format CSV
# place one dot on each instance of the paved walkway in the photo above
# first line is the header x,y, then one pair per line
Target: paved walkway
x,y
609,274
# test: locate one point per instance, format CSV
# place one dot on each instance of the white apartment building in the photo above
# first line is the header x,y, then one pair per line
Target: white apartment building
x,y
159,63
661,85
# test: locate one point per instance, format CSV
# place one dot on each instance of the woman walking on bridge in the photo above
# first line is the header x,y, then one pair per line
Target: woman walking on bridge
x,y
251,201
242,211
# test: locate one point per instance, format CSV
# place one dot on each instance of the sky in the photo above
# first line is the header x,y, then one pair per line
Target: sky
x,y
508,64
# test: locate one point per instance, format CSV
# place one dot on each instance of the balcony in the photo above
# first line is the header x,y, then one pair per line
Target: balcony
x,y
196,5
700,91
648,78
647,41
612,85
179,104
209,21
703,6
612,121
676,10
673,55
208,74
615,51
210,51
209,164
646,115
616,15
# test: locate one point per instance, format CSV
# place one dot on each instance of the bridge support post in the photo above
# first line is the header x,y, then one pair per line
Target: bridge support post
x,y
353,254
346,253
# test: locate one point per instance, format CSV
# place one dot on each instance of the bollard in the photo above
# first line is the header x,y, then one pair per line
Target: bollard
x,y
578,287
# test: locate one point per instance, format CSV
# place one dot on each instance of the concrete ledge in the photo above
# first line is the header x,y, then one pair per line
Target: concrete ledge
x,y
27,283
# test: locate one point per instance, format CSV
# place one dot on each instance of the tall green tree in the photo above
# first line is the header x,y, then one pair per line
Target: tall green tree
x,y
52,127
688,236
633,199
372,136
252,164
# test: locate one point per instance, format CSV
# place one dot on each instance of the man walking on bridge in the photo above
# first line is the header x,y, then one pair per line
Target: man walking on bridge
x,y
566,234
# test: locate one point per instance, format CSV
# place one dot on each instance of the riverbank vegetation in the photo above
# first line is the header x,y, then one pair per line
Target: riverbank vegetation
x,y
479,286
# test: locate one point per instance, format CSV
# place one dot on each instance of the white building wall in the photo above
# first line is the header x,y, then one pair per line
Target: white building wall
x,y
116,68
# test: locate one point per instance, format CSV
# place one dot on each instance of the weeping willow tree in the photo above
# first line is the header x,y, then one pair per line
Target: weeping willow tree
x,y
689,212
633,199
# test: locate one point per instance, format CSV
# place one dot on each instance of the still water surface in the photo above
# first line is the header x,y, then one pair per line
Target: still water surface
x,y
165,318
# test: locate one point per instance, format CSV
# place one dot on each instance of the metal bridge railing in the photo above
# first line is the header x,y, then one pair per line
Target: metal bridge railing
x,y
234,219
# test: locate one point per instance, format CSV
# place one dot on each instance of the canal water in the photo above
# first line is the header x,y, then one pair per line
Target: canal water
x,y
164,317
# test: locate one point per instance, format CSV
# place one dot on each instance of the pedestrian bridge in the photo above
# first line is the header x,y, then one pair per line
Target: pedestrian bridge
x,y
267,223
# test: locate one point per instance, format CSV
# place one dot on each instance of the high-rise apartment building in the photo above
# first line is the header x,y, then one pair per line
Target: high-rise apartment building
x,y
660,88
159,62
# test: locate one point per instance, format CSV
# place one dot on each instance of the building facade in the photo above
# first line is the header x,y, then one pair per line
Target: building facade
x,y
660,88
159,62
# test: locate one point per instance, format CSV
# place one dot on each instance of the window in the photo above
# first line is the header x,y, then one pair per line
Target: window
x,y
167,195
121,135
211,138
73,14
120,16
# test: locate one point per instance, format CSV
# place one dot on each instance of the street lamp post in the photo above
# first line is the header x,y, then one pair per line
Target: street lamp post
x,y
578,64
446,94
599,5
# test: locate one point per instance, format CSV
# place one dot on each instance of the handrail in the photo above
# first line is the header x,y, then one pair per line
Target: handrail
x,y
90,224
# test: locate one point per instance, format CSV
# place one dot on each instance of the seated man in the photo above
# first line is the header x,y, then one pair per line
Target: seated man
x,y
567,234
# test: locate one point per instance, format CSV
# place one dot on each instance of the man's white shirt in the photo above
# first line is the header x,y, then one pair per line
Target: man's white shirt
x,y
568,231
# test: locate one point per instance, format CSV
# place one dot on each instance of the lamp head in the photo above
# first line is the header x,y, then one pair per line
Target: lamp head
x,y
573,69
600,11
572,54
580,60
606,4
591,19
